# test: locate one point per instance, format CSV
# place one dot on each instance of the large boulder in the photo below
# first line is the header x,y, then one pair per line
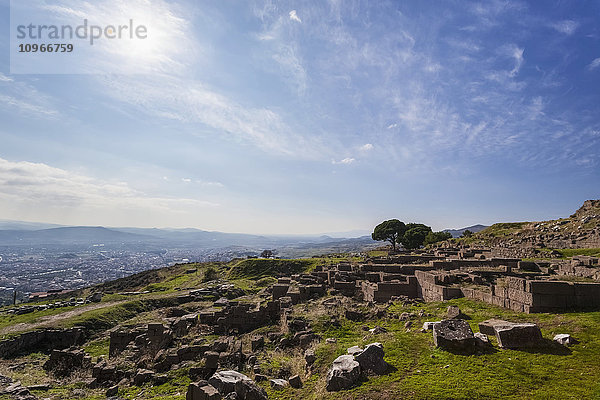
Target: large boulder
x,y
512,335
454,335
248,390
488,326
515,336
371,359
225,381
202,391
143,376
344,373
234,382
65,362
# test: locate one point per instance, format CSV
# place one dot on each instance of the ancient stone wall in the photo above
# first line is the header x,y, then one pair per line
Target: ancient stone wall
x,y
47,339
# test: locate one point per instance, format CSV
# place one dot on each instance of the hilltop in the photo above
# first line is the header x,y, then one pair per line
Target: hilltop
x,y
544,239
338,326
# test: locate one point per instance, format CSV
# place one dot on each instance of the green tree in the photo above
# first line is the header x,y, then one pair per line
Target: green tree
x,y
467,233
390,231
414,236
435,237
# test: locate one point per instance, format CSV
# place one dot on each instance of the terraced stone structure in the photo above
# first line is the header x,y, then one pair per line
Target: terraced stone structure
x,y
449,273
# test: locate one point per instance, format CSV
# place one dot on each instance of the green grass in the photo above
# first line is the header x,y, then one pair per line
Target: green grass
x,y
98,347
424,372
105,318
259,268
566,253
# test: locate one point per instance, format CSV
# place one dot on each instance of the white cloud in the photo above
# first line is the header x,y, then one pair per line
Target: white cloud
x,y
21,97
345,161
294,16
594,64
517,55
37,183
190,101
392,126
186,180
366,147
568,27
210,184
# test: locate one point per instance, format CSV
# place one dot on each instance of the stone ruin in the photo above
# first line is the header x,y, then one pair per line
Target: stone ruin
x,y
451,273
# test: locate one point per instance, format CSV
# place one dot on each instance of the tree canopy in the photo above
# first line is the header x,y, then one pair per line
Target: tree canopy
x,y
414,236
390,231
435,237
411,236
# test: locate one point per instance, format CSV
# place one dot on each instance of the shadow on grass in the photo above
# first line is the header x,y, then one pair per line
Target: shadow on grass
x,y
548,346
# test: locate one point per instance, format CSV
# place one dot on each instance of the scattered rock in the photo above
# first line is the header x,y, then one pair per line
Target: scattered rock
x,y
224,381
331,340
295,382
310,357
515,336
143,376
344,373
248,390
371,359
202,391
65,362
482,340
377,330
112,391
488,326
354,350
257,343
279,384
427,326
453,312
565,339
454,335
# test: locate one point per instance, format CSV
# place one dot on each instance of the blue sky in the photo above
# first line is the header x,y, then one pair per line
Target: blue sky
x,y
309,117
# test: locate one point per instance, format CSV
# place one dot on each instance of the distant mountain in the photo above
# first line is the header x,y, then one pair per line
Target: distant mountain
x,y
68,235
26,234
458,232
6,224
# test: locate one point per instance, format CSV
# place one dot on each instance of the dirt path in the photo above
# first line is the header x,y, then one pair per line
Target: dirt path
x,y
50,320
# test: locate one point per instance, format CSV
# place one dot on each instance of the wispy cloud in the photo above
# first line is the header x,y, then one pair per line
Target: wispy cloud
x,y
366,147
517,54
186,101
568,27
294,16
345,161
594,64
23,98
